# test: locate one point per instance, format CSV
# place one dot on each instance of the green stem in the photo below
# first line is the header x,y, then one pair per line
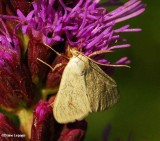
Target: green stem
x,y
26,120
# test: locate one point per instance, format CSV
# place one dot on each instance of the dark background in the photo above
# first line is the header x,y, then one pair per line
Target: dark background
x,y
137,115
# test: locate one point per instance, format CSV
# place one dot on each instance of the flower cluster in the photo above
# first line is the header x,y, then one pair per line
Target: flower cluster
x,y
26,30
84,24
15,87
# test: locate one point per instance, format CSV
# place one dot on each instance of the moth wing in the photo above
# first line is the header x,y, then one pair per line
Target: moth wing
x,y
71,102
101,89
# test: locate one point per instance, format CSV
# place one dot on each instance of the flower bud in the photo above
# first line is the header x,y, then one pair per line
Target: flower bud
x,y
54,77
43,126
15,82
38,69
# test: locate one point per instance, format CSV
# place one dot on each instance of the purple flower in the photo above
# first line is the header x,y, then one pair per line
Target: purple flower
x,y
15,87
82,24
43,126
61,24
91,28
9,7
44,22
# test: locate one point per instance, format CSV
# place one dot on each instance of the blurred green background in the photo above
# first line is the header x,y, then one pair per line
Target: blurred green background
x,y
138,112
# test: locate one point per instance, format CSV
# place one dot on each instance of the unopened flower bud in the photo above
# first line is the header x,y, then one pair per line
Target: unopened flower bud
x,y
43,127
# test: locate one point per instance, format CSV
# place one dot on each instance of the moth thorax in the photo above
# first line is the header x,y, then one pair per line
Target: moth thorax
x,y
78,65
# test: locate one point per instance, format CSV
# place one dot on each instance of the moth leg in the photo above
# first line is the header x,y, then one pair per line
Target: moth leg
x,y
99,52
57,66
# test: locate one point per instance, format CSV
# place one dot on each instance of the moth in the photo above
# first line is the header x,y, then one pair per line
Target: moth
x,y
84,88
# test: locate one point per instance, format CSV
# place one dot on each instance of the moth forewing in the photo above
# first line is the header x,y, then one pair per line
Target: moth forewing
x,y
71,102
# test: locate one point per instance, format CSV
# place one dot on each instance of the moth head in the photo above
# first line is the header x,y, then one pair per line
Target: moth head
x,y
74,51
78,63
70,51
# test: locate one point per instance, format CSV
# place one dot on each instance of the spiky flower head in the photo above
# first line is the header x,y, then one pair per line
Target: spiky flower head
x,y
81,24
43,25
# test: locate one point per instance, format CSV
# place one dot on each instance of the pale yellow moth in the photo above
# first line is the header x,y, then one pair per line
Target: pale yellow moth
x,y
84,88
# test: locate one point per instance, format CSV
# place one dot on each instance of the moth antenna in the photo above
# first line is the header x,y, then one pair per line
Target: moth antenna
x,y
107,65
45,63
53,69
99,52
109,50
53,49
59,54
